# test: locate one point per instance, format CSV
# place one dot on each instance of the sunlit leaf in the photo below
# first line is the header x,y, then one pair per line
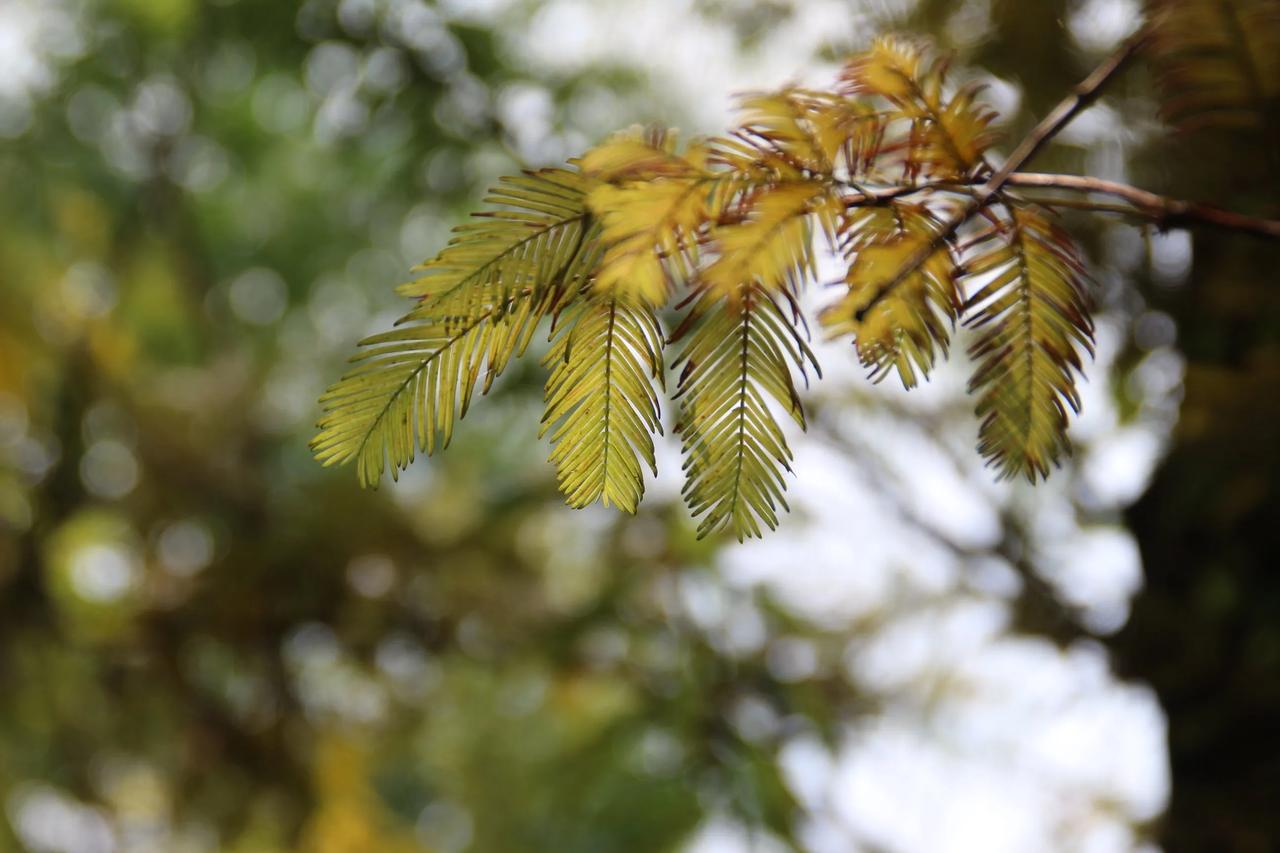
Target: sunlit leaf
x,y
601,407
931,132
899,320
773,243
648,227
480,301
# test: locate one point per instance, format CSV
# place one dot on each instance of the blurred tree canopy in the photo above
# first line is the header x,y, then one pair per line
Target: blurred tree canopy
x,y
221,644
207,642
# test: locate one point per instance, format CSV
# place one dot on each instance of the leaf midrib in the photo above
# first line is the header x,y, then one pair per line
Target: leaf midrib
x,y
400,389
608,395
744,377
523,241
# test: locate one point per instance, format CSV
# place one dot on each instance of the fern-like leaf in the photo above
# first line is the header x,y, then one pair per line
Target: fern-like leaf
x,y
738,355
652,203
799,134
781,127
772,243
532,235
932,135
648,228
601,248
898,321
479,303
1033,318
601,407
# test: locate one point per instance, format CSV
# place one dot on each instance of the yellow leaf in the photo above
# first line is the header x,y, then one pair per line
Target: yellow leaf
x,y
782,120
890,68
738,362
646,226
966,123
772,245
932,136
601,407
630,156
899,319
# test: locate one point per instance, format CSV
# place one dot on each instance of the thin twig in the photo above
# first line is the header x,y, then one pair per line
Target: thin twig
x,y
1057,202
1081,96
1084,94
1165,212
868,195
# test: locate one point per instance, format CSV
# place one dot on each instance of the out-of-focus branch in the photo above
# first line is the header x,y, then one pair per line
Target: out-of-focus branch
x,y
1084,94
1163,211
1166,212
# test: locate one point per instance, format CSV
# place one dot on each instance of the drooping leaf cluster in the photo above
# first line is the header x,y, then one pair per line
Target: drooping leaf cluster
x,y
730,231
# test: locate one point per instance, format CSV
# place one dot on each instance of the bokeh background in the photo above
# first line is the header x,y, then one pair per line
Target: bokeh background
x,y
208,642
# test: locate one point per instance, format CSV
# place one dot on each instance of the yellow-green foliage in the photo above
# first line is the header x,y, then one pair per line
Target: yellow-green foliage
x,y
729,229
737,358
1033,315
602,409
479,303
902,326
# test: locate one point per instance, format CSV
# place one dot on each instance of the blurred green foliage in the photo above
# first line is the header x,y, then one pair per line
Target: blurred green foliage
x,y
204,633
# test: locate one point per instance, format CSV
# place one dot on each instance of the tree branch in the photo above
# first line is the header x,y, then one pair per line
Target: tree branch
x,y
1081,96
1165,212
1084,94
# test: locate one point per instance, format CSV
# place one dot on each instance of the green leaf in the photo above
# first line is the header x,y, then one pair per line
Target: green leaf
x,y
601,407
737,357
532,236
480,302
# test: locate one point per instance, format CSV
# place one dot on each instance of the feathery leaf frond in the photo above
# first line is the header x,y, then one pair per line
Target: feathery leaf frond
x,y
1033,318
480,301
601,407
535,233
737,356
782,128
930,134
772,243
903,326
636,155
652,203
890,168
650,231
411,384
795,134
